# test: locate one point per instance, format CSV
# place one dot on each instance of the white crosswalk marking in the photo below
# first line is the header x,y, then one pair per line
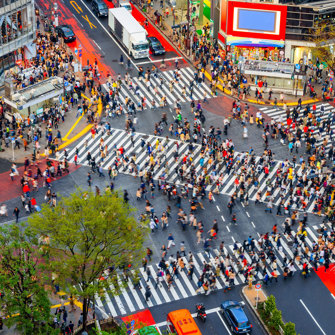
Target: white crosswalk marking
x,y
187,76
120,138
131,299
279,114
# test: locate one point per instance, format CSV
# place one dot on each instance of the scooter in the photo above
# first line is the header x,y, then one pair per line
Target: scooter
x,y
201,312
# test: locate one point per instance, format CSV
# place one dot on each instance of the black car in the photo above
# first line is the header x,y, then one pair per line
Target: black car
x,y
155,46
66,32
99,8
236,317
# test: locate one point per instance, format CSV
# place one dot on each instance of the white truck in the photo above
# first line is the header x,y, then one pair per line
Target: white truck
x,y
129,32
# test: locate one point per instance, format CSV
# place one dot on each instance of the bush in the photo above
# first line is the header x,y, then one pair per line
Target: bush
x,y
270,306
275,321
289,329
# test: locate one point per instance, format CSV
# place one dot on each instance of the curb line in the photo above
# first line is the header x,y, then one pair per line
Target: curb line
x,y
265,328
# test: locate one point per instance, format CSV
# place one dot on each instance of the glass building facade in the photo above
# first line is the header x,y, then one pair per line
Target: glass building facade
x,y
17,29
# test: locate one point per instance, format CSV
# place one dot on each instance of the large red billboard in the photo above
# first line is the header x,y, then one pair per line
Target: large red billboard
x,y
253,20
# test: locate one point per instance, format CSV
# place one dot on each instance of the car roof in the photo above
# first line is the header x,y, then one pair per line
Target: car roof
x,y
153,39
239,313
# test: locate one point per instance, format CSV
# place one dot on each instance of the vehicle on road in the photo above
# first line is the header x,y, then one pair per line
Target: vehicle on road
x,y
126,5
129,32
155,46
99,8
122,3
66,32
181,322
234,313
201,312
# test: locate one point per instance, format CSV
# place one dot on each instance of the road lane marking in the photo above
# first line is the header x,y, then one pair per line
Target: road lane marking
x,y
159,60
76,7
210,311
228,229
223,218
218,313
88,20
248,214
96,44
311,315
253,224
108,33
233,239
218,208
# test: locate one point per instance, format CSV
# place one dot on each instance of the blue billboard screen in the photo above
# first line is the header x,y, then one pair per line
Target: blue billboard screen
x,y
256,20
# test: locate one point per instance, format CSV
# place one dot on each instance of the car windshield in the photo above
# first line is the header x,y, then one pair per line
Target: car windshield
x,y
143,46
67,32
102,6
128,7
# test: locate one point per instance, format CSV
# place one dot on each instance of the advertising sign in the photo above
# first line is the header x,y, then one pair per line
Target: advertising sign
x,y
249,20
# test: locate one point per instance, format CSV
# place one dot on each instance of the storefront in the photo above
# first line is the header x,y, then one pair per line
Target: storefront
x,y
277,76
253,31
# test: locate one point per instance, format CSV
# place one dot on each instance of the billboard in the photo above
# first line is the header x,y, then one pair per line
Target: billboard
x,y
253,20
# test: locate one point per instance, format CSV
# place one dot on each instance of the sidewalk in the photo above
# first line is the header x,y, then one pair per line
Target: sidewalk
x,y
166,30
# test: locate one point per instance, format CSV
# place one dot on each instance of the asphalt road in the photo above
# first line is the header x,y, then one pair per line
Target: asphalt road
x,y
305,302
215,324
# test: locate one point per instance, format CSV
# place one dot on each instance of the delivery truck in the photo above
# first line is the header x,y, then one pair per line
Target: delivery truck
x,y
129,32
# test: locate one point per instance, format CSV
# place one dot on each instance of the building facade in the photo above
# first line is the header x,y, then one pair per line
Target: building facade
x,y
18,27
271,30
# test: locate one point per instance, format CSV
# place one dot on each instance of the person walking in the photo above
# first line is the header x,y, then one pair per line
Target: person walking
x,y
170,241
147,293
16,213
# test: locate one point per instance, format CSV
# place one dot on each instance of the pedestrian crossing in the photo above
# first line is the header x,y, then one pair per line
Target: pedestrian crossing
x,y
279,115
155,89
165,166
132,298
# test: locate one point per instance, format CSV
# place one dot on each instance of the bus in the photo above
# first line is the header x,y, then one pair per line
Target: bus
x,y
181,322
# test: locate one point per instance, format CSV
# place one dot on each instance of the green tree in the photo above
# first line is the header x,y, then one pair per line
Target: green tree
x,y
275,321
88,234
289,329
270,306
24,298
322,35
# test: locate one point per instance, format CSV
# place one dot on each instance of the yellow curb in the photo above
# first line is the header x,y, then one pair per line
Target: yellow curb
x,y
75,137
78,303
60,305
209,77
61,293
81,133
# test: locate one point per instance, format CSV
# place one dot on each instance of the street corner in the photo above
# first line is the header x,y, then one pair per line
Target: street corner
x,y
220,105
328,278
14,188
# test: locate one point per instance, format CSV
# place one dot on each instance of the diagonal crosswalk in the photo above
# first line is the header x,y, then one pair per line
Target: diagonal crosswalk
x,y
132,298
158,89
279,115
165,165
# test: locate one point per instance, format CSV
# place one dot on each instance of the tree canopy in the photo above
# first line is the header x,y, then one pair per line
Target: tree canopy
x,y
86,234
322,36
24,299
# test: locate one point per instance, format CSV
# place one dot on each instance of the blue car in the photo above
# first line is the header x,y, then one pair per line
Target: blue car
x,y
237,319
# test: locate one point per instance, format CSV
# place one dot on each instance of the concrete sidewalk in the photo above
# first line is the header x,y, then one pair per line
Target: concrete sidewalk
x,y
166,29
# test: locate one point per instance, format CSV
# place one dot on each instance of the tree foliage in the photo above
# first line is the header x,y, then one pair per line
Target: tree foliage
x,y
24,298
275,321
322,36
87,234
289,329
270,305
